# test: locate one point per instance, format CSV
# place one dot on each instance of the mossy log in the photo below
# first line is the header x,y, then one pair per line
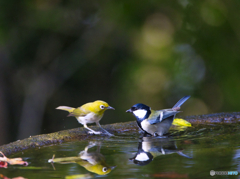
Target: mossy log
x,y
81,133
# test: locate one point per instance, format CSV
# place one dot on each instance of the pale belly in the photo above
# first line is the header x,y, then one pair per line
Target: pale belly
x,y
159,128
89,118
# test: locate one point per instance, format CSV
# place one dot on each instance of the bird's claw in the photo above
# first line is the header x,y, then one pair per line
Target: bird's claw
x,y
110,134
94,132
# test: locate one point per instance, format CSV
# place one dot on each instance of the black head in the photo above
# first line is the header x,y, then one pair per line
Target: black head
x,y
138,106
141,111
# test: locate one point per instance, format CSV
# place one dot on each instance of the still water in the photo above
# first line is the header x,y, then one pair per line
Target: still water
x,y
188,153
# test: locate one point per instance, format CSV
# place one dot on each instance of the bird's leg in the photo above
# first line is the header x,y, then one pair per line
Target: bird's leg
x,y
163,151
104,129
90,145
93,144
91,131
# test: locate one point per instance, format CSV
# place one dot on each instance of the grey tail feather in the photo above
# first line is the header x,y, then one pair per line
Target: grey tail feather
x,y
181,101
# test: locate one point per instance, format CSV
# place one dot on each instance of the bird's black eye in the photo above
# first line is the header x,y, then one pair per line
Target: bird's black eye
x,y
102,107
104,169
133,108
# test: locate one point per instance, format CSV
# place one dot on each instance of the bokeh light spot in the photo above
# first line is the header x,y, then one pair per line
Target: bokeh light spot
x,y
213,12
151,79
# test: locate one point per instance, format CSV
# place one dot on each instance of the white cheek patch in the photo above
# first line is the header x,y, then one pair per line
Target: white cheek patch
x,y
142,157
140,113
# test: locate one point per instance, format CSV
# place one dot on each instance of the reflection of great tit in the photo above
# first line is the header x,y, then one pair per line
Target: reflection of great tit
x,y
89,113
149,148
153,122
91,161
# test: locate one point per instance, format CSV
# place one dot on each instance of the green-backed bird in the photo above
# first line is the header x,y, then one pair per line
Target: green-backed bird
x,y
89,113
155,122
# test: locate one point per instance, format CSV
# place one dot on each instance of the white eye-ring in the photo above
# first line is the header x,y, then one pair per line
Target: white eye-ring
x,y
102,107
104,169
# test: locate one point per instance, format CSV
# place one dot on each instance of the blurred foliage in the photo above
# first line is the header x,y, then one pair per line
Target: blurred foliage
x,y
60,52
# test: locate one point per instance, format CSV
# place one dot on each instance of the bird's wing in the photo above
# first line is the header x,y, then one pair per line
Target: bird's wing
x,y
80,112
157,116
168,112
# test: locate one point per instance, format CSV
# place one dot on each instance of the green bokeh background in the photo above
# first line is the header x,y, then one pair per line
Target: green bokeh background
x,y
57,52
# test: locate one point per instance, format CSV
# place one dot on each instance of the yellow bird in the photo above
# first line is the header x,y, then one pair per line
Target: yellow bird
x,y
89,113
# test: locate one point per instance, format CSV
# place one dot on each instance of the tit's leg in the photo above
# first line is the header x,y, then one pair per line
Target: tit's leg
x,y
163,151
91,131
104,129
143,134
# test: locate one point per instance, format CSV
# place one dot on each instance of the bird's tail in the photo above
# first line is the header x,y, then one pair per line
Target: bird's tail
x,y
180,102
66,108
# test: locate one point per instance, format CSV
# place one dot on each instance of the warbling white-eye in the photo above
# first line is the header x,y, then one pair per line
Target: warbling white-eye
x,y
156,123
89,113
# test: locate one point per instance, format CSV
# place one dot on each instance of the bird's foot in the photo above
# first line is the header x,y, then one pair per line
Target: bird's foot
x,y
157,135
161,137
94,132
144,134
109,134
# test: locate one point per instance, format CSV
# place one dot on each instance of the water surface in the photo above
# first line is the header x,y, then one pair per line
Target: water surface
x,y
191,153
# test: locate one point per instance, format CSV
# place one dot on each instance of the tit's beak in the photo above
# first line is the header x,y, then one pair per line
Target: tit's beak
x,y
129,110
109,107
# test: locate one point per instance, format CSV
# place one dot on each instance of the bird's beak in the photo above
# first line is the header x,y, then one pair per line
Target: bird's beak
x,y
129,110
112,167
109,107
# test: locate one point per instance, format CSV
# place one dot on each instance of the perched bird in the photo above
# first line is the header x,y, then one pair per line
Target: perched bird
x,y
89,113
156,123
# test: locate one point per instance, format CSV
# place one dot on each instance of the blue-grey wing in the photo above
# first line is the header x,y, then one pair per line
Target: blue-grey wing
x,y
155,117
169,112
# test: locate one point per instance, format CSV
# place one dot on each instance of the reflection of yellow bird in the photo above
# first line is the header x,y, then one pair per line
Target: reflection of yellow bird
x,y
80,176
94,161
89,113
91,161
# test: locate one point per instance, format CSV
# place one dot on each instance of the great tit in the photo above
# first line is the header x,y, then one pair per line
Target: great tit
x,y
149,148
89,113
91,161
156,123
